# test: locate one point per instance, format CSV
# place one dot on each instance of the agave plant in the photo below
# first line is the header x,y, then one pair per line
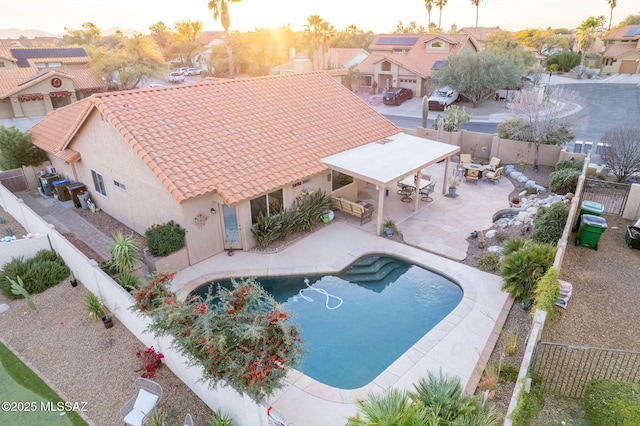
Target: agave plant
x,y
124,252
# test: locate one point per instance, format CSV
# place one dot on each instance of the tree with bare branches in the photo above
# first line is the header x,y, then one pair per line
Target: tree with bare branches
x,y
543,117
622,151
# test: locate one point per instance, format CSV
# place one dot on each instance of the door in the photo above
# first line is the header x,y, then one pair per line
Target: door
x,y
231,231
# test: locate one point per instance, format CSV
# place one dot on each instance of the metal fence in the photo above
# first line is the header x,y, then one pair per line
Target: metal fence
x,y
566,369
612,195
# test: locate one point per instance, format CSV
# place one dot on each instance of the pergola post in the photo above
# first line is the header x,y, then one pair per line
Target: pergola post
x,y
379,214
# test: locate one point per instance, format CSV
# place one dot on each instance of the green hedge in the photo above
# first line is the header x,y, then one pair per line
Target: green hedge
x,y
610,402
549,223
165,239
546,294
563,181
42,271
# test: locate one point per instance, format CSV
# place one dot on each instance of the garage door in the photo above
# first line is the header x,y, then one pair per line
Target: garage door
x,y
33,108
628,67
407,83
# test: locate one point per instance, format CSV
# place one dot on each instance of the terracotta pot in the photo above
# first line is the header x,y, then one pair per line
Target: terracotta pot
x,y
107,321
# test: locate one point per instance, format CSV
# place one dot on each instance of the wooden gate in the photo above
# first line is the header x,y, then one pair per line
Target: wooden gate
x,y
612,195
14,180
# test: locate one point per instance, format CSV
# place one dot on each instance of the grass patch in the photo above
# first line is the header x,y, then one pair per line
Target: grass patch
x,y
605,400
31,389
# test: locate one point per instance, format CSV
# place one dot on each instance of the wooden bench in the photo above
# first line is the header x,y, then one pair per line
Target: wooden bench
x,y
364,212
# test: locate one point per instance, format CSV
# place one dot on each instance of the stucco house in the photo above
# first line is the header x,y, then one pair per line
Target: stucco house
x,y
407,60
35,81
214,154
622,50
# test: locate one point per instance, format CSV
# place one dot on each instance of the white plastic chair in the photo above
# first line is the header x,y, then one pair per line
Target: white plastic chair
x,y
139,406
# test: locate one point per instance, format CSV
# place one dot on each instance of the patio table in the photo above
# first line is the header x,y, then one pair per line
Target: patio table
x,y
476,167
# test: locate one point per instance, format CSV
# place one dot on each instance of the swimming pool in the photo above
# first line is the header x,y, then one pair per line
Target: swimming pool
x,y
376,309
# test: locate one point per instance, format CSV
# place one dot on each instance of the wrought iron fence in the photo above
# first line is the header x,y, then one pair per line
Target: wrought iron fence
x,y
566,369
612,195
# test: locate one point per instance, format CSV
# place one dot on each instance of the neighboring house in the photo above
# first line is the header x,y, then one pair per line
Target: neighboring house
x,y
622,50
35,81
479,34
335,58
408,60
211,156
209,40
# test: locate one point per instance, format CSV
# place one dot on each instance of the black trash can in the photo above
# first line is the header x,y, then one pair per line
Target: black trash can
x,y
74,189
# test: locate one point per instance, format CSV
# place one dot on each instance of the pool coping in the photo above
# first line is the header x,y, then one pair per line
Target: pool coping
x,y
459,345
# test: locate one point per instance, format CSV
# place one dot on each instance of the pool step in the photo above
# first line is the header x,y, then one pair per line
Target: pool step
x,y
372,271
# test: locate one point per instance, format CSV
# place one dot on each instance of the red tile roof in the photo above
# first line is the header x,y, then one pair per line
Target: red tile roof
x,y
619,50
240,138
619,33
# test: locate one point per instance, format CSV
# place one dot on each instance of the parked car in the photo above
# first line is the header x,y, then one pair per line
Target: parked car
x,y
182,70
175,77
396,96
193,71
153,85
442,98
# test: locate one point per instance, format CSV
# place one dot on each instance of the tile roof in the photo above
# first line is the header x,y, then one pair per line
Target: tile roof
x,y
17,79
240,138
418,59
480,33
619,50
619,33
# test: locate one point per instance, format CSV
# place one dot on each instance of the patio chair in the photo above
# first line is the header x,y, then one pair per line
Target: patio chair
x,y
494,176
188,420
465,159
426,191
146,399
493,164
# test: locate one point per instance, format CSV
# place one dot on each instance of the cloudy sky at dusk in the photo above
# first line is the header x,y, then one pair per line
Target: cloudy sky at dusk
x,y
52,16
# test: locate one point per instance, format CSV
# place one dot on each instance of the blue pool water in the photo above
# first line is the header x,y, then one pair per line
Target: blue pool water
x,y
387,305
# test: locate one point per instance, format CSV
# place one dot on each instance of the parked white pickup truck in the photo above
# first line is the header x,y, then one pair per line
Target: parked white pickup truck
x,y
175,77
442,98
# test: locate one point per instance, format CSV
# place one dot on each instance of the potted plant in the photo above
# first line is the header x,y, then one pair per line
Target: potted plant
x,y
453,185
97,310
515,202
389,227
73,280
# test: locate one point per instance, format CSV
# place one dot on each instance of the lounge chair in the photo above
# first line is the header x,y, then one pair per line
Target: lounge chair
x,y
494,176
493,164
139,406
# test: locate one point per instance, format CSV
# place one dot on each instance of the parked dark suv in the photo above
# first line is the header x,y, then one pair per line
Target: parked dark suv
x,y
396,96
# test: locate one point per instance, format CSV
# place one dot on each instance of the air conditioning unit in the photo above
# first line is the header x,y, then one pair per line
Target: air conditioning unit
x,y
51,170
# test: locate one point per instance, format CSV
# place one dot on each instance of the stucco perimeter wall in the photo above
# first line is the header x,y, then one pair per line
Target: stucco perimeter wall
x,y
632,207
483,146
242,409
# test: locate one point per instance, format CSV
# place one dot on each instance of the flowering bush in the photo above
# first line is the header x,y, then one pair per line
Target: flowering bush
x,y
151,361
165,239
241,337
151,294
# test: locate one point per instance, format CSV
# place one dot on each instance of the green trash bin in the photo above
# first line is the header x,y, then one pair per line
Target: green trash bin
x,y
591,228
589,207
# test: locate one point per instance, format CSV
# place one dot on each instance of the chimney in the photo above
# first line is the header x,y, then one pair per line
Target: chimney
x,y
292,52
454,28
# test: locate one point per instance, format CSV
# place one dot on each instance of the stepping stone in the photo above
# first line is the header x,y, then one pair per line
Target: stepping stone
x,y
4,308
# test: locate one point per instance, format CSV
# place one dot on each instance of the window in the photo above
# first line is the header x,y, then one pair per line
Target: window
x,y
385,66
270,204
2,64
338,180
119,185
98,183
41,66
366,80
437,45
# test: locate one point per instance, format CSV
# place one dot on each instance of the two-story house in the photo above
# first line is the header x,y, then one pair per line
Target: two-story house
x,y
35,81
407,60
622,50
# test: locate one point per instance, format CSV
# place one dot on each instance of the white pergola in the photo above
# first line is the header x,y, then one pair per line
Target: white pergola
x,y
387,161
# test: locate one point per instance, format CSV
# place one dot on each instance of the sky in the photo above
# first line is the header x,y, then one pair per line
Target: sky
x,y
377,16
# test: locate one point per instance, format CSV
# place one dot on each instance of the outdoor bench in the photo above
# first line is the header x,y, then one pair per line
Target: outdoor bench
x,y
356,208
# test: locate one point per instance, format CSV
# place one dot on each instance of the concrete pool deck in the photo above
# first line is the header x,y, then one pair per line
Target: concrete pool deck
x,y
455,346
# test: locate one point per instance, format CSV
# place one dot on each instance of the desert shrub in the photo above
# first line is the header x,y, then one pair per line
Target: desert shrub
x,y
267,229
488,262
512,244
165,239
128,281
508,372
564,61
563,181
501,237
549,223
605,400
42,271
570,164
546,293
522,269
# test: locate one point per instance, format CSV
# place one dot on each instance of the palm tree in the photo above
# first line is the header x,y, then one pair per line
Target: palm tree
x,y
319,34
429,5
587,34
440,4
613,4
476,3
392,408
220,10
